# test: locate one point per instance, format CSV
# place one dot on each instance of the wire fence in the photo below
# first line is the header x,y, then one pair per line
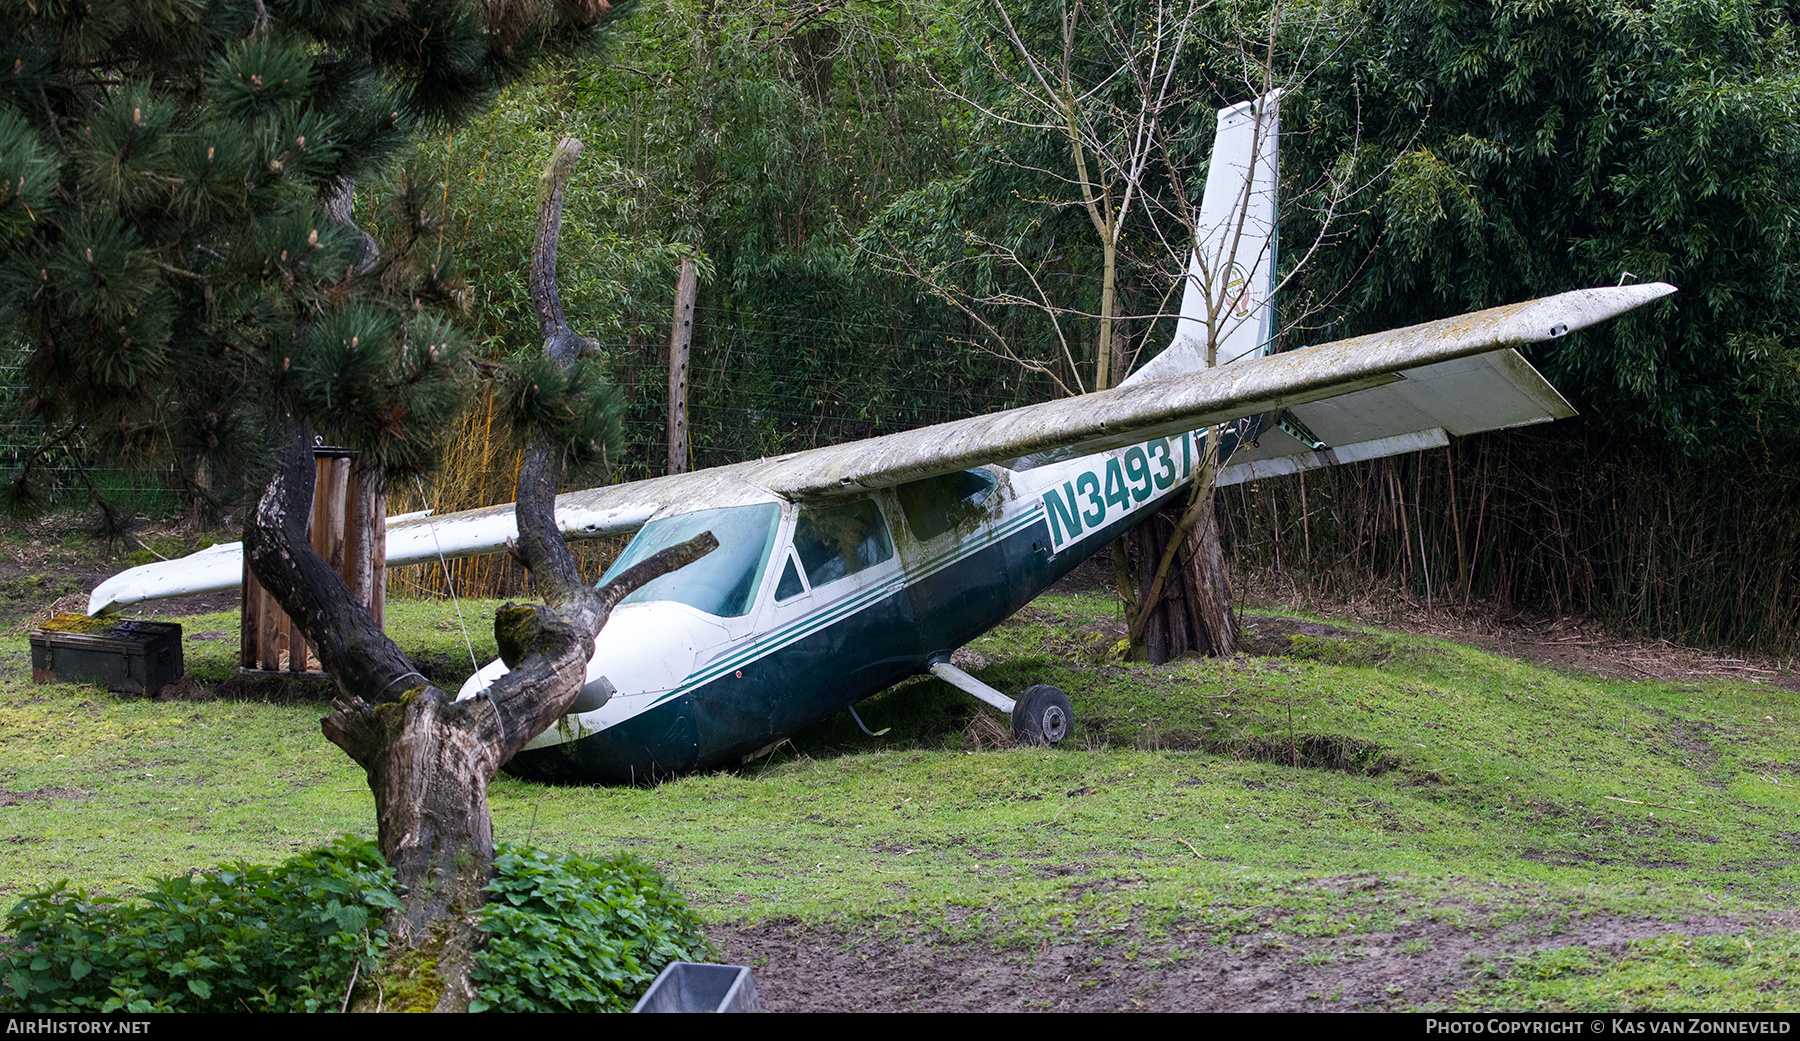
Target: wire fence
x,y
64,478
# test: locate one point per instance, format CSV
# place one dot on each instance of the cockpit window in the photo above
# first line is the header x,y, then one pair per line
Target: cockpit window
x,y
937,504
837,541
724,582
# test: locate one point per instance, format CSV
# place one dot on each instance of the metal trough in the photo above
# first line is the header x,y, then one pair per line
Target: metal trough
x,y
686,986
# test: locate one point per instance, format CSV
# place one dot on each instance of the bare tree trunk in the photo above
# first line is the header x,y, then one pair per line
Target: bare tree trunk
x,y
337,201
1207,587
1145,544
429,758
1182,587
681,335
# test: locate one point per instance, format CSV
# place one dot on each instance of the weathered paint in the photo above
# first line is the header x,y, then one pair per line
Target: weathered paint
x,y
759,691
881,627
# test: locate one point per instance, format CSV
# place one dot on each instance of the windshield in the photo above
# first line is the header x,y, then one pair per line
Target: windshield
x,y
723,582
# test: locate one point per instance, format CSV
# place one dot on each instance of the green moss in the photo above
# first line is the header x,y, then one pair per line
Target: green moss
x,y
407,982
516,631
68,622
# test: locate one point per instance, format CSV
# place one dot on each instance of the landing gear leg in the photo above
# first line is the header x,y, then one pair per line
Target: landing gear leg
x,y
1040,717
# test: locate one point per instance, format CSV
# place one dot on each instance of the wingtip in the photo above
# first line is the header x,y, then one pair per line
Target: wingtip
x,y
1648,291
1552,317
101,601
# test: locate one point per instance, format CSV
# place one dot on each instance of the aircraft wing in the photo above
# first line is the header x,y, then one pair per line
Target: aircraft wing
x,y
1329,384
411,539
1419,355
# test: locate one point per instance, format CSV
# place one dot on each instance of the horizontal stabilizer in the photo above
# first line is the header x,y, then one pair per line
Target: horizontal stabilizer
x,y
212,570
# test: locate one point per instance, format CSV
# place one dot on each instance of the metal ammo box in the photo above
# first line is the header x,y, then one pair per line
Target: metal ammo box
x,y
129,657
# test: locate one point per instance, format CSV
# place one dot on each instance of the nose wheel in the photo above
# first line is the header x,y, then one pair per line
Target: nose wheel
x,y
1041,716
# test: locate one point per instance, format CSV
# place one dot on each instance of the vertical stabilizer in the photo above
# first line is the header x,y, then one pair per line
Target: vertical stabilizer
x,y
1230,282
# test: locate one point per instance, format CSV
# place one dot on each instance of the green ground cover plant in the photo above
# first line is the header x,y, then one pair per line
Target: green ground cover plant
x,y
241,938
568,934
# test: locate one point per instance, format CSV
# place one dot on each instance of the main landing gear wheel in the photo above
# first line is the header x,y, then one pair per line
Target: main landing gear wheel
x,y
1041,716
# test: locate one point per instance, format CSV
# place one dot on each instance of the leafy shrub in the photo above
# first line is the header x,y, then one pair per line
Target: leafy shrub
x,y
565,934
242,938
578,935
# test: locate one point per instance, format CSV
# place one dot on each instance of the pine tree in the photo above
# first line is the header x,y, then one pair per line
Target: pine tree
x,y
178,254
175,242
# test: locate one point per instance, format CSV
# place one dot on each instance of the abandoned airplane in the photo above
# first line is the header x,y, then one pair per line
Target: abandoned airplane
x,y
843,570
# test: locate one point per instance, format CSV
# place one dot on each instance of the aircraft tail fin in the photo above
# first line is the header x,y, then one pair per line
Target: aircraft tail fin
x,y
1228,303
1228,314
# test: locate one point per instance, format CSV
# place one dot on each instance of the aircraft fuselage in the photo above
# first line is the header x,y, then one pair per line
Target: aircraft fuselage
x,y
842,600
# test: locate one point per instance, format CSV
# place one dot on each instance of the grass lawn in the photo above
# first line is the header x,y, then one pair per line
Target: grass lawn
x,y
1462,830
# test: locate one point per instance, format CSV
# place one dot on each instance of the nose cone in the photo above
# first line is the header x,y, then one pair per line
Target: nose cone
x,y
649,648
644,652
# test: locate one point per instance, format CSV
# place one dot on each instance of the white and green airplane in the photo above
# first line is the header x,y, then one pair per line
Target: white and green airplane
x,y
843,570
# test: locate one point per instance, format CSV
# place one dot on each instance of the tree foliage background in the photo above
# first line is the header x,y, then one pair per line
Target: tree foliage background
x,y
1524,148
175,251
1520,149
817,159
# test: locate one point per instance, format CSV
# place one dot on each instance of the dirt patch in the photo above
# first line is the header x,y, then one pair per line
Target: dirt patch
x,y
187,688
1271,637
1352,755
50,565
804,969
18,798
276,689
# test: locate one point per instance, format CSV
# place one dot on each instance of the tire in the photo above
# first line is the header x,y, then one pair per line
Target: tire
x,y
1041,717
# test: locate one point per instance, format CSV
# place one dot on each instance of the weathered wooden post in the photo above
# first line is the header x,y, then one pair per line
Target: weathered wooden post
x,y
681,334
348,528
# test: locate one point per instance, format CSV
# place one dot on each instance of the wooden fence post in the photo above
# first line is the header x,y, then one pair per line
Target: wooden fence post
x,y
681,333
348,528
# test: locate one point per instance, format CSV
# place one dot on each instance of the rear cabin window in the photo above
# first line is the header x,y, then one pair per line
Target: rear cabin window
x,y
937,504
722,583
838,541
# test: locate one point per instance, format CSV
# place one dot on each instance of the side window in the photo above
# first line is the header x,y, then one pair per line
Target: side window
x,y
937,504
789,586
836,541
